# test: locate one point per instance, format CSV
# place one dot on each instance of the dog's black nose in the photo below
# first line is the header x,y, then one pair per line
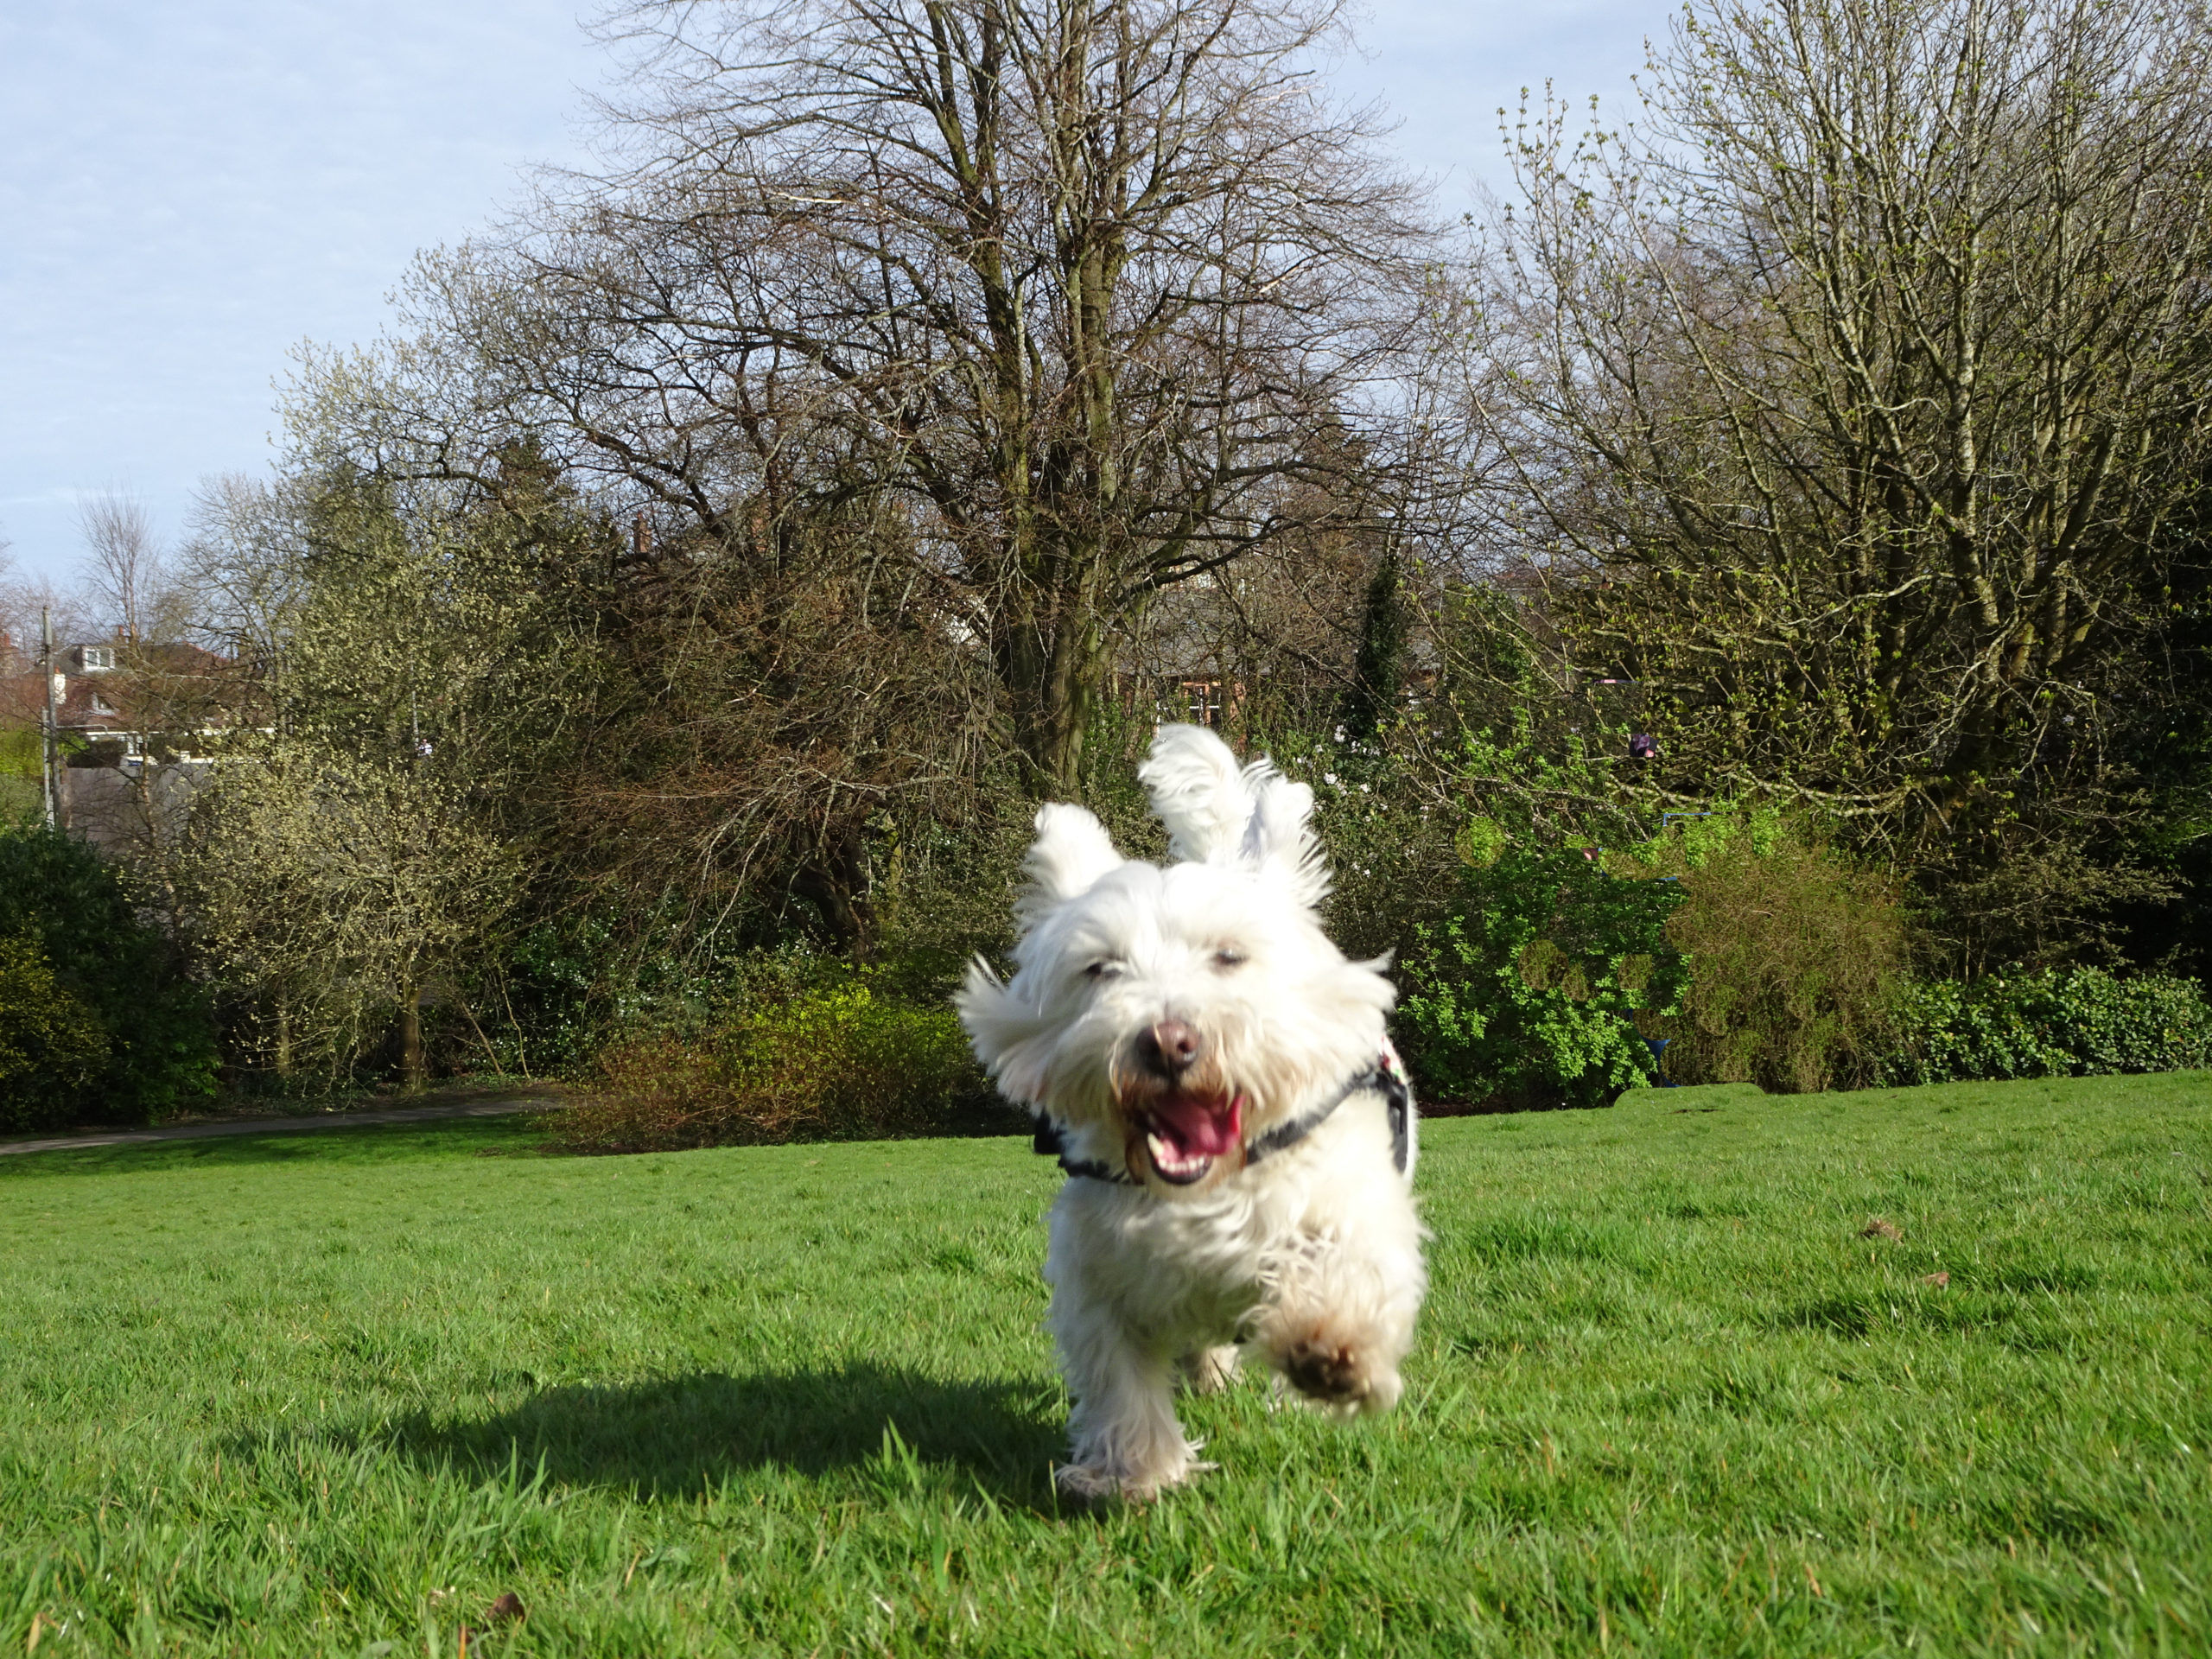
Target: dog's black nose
x,y
1170,1048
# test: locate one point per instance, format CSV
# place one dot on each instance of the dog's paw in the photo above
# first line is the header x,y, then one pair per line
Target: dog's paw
x,y
1336,1375
1091,1483
1325,1371
1087,1483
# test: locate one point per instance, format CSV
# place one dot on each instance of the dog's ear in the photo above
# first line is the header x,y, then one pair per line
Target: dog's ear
x,y
1004,1032
1217,813
1008,1032
1198,792
1279,835
1073,850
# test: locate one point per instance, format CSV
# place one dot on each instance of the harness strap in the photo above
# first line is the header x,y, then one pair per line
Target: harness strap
x,y
1387,1077
1049,1143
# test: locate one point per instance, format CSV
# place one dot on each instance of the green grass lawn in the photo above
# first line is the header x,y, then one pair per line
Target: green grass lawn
x,y
336,1394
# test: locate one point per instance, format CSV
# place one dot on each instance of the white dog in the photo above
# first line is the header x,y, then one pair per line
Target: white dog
x,y
1216,1077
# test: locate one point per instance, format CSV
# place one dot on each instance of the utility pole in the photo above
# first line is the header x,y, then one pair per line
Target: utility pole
x,y
48,775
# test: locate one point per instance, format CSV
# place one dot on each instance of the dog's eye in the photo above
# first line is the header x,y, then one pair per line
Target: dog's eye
x,y
1226,958
1101,969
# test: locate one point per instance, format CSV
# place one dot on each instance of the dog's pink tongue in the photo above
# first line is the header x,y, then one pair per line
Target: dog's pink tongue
x,y
1201,1126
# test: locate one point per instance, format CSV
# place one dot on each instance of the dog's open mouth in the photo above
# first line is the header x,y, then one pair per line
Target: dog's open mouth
x,y
1185,1132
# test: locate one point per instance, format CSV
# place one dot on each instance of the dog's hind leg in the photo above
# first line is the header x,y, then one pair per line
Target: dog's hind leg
x,y
1124,1439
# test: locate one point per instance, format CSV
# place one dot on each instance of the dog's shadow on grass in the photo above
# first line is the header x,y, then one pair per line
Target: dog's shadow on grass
x,y
678,1437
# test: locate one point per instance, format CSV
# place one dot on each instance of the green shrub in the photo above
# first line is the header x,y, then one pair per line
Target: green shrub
x,y
67,906
2059,1022
1394,810
53,1048
1528,991
1795,956
22,755
803,1049
1390,860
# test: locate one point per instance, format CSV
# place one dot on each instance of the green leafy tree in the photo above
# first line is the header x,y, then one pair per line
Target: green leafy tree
x,y
425,669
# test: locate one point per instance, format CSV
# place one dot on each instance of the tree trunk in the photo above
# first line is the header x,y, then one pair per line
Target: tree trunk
x,y
836,883
1051,666
410,1039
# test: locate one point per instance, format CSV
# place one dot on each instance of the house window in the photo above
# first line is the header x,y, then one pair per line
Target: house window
x,y
97,657
1203,697
100,705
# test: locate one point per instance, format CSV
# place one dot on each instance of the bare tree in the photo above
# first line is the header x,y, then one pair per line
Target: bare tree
x,y
1851,398
24,598
125,571
14,597
242,563
1073,283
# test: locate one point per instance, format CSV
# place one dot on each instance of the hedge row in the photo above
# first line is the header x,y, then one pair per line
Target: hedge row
x,y
2069,1022
1750,952
800,1047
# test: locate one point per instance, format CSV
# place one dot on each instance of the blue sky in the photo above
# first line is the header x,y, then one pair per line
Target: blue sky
x,y
189,191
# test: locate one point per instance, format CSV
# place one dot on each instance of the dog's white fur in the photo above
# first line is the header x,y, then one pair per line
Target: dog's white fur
x,y
1310,1258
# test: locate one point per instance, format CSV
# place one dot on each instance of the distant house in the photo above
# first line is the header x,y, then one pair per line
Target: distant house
x,y
80,705
1216,650
141,698
133,723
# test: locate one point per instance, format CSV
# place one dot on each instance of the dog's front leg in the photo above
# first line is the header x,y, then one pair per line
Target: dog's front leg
x,y
1124,1440
1339,1315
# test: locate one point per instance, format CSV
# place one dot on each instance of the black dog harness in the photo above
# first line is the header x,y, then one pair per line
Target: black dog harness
x,y
1386,1076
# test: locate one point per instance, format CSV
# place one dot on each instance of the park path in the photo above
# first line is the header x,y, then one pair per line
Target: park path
x,y
493,1106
